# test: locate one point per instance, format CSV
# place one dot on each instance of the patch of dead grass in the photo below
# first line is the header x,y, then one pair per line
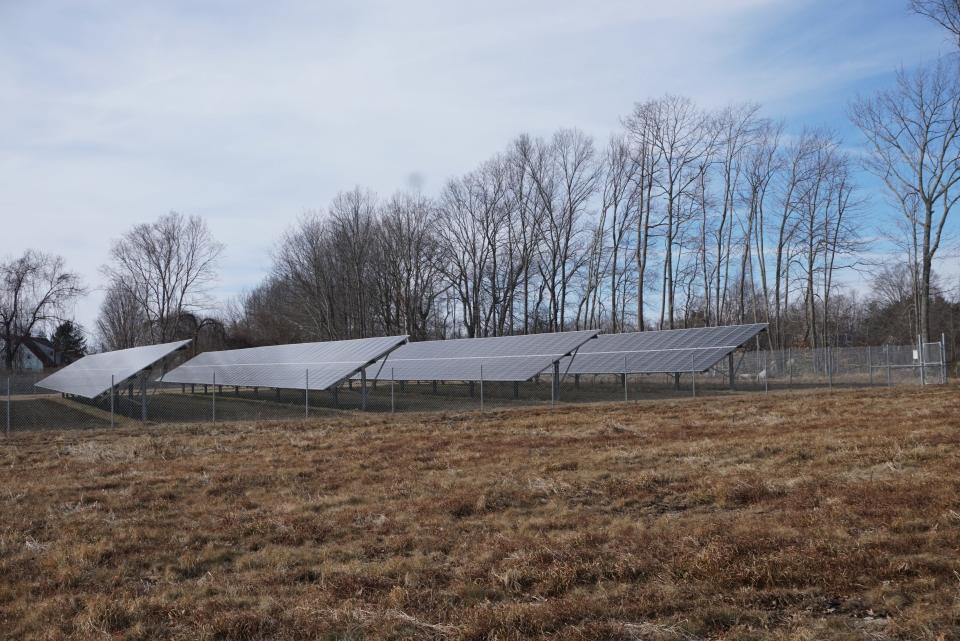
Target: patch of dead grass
x,y
789,516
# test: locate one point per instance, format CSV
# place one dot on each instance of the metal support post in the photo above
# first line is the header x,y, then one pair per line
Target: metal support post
x,y
393,402
730,375
335,392
113,395
870,363
213,398
8,405
693,375
676,381
626,395
481,387
143,398
363,389
306,394
556,381
516,390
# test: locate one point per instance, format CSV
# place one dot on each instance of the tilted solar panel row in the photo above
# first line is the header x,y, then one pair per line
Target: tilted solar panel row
x,y
323,365
500,358
317,366
666,351
94,375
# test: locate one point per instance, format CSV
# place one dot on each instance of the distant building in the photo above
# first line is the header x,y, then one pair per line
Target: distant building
x,y
37,354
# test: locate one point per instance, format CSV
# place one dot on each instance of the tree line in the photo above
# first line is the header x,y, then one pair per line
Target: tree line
x,y
684,216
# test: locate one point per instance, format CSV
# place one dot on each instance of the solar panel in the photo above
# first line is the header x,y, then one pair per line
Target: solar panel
x,y
667,351
91,375
285,366
500,358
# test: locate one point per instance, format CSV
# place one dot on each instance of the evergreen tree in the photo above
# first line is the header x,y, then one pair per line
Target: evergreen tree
x,y
68,341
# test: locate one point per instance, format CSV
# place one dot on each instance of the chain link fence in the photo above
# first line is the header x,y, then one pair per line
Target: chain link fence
x,y
145,401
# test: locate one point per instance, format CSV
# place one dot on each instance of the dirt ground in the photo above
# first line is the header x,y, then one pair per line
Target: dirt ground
x,y
811,515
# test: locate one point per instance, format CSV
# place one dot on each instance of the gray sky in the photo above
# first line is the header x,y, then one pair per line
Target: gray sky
x,y
249,113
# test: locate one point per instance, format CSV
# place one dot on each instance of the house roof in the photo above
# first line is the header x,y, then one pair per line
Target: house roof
x,y
40,347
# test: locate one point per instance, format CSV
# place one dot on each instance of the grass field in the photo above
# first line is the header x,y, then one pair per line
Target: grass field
x,y
790,516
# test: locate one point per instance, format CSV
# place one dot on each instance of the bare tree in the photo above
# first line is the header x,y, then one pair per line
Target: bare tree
x,y
474,219
305,282
913,133
409,265
619,205
35,291
946,13
353,223
565,174
641,126
122,323
763,165
683,140
167,267
736,131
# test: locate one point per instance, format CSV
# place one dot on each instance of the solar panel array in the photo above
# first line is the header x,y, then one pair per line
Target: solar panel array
x,y
667,351
501,358
90,376
285,366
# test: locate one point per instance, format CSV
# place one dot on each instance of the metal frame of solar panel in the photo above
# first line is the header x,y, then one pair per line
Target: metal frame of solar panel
x,y
500,358
661,352
95,374
317,366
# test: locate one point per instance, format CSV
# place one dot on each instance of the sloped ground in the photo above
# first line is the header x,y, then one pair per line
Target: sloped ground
x,y
790,516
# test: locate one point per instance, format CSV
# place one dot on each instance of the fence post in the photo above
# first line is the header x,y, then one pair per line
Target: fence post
x,y
766,373
213,398
626,394
393,404
943,359
829,359
113,395
790,366
8,405
886,349
481,386
306,394
870,363
923,360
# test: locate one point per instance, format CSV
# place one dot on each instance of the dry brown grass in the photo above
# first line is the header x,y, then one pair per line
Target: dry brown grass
x,y
794,516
